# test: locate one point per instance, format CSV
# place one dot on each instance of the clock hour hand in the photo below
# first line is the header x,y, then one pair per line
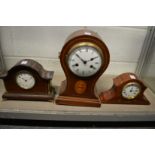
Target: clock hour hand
x,y
81,59
92,59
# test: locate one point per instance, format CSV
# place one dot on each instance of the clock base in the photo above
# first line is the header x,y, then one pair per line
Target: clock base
x,y
109,98
28,97
76,101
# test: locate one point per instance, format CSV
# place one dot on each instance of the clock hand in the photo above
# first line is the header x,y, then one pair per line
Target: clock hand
x,y
23,79
92,59
81,59
131,90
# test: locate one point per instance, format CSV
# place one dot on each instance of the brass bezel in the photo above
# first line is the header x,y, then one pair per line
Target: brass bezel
x,y
85,44
128,84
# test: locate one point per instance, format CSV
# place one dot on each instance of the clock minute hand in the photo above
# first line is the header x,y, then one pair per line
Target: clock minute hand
x,y
131,90
81,59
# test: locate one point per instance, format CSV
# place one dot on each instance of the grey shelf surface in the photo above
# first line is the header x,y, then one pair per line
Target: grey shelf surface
x,y
37,110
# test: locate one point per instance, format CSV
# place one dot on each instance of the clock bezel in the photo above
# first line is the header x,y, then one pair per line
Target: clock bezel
x,y
28,72
82,44
127,85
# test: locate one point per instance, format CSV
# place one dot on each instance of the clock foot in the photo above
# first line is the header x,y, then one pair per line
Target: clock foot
x,y
75,101
28,97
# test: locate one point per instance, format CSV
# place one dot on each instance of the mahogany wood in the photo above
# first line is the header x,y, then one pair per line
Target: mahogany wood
x,y
71,93
114,95
41,90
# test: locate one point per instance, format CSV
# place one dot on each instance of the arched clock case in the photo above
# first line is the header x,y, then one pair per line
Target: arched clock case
x,y
126,89
28,80
84,58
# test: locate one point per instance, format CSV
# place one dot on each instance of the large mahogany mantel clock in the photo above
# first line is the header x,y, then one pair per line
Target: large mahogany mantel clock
x,y
84,58
28,80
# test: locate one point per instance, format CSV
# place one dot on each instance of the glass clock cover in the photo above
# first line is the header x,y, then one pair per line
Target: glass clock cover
x,y
85,61
25,80
131,90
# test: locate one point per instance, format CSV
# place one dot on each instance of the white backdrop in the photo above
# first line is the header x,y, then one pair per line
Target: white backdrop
x,y
44,44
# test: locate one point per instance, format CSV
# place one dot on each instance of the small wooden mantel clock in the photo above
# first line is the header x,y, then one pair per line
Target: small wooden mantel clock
x,y
27,80
84,58
126,89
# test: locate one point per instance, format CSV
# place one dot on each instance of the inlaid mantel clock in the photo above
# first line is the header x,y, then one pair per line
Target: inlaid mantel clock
x,y
126,89
84,58
28,80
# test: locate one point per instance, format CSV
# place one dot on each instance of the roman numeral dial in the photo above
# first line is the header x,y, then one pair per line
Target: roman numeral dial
x,y
85,61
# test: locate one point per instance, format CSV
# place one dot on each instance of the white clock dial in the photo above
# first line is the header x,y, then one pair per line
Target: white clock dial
x,y
131,90
85,61
25,80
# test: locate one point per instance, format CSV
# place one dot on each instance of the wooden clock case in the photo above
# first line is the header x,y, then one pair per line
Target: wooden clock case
x,y
114,95
75,90
40,91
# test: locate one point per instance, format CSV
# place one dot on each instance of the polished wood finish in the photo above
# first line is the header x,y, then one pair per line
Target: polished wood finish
x,y
80,91
114,95
40,91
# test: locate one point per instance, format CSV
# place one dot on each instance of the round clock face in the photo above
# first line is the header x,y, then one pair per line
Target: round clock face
x,y
131,90
85,59
25,80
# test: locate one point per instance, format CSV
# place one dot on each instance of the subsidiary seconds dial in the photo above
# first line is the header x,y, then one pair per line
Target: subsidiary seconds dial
x,y
85,59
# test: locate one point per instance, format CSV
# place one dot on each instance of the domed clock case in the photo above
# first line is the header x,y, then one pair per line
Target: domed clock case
x,y
27,80
84,58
